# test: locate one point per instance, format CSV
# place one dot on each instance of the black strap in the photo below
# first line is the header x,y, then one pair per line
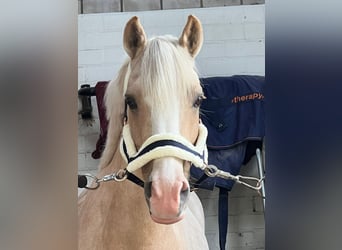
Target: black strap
x,y
223,217
82,180
125,117
198,183
133,178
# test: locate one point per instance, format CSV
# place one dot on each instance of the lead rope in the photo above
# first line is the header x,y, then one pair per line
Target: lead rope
x,y
209,170
213,171
118,176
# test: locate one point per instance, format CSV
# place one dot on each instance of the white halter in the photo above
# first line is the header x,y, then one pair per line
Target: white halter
x,y
164,145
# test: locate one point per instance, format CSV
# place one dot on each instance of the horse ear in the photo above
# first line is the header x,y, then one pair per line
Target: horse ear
x,y
134,37
192,36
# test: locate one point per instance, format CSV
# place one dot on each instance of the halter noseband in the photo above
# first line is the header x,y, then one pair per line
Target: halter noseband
x,y
163,145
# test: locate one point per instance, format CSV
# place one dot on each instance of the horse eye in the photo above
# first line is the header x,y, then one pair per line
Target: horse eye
x,y
131,103
198,101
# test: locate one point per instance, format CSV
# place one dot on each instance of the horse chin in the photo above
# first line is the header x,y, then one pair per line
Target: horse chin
x,y
167,221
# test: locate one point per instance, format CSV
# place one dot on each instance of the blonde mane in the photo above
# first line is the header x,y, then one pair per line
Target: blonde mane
x,y
114,103
167,71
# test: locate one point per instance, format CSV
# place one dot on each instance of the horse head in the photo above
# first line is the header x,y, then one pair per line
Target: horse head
x,y
162,95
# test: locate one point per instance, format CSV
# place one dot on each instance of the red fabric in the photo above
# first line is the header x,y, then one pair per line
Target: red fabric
x,y
100,90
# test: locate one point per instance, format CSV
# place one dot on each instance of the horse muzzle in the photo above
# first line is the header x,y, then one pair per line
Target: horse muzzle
x,y
167,200
167,191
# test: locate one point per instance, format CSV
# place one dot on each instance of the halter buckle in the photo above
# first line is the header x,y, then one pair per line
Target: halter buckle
x,y
121,175
96,181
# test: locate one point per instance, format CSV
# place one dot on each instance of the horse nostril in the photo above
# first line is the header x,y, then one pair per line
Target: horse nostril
x,y
185,186
148,189
184,193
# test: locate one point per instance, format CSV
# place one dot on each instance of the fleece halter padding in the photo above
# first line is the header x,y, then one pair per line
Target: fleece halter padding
x,y
164,145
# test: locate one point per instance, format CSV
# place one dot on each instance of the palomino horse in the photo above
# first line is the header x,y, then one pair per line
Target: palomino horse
x,y
156,95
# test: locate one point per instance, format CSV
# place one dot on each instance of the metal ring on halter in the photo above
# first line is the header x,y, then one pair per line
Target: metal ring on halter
x,y
95,179
121,175
211,170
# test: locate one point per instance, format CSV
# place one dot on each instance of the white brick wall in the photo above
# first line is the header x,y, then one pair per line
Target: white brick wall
x,y
234,43
233,39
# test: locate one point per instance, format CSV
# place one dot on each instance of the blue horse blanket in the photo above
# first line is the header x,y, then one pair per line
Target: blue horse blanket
x,y
233,112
